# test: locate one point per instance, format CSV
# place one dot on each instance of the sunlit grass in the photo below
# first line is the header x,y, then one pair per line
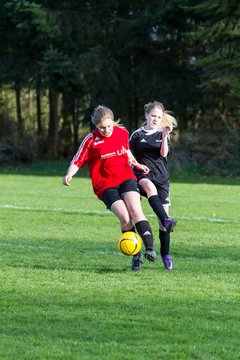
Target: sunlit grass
x,y
66,293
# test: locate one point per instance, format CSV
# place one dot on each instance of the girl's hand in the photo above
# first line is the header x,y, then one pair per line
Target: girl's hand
x,y
166,131
140,167
144,169
66,180
132,162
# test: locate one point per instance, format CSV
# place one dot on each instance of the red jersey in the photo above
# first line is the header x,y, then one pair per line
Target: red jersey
x,y
106,158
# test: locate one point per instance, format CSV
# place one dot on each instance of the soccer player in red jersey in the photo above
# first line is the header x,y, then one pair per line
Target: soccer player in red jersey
x,y
106,151
150,145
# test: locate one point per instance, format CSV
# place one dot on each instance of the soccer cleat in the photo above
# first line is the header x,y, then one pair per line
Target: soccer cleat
x,y
150,255
167,262
137,262
169,224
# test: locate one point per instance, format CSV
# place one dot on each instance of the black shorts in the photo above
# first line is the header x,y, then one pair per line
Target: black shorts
x,y
163,193
116,193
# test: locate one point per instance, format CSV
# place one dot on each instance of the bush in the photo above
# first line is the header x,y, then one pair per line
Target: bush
x,y
22,152
13,148
209,153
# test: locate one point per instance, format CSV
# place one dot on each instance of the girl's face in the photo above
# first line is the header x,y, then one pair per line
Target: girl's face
x,y
154,118
105,127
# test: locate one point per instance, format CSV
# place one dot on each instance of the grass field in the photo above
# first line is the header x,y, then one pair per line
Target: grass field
x,y
66,293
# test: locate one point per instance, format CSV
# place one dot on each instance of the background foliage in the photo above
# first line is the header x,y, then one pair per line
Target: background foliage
x,y
58,60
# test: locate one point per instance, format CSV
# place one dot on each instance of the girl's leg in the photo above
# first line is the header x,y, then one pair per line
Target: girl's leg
x,y
150,189
120,210
133,203
164,237
156,204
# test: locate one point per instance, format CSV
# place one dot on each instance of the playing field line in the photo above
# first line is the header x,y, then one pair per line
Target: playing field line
x,y
108,213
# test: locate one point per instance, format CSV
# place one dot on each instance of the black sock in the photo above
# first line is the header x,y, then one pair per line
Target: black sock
x,y
158,208
144,230
132,229
164,237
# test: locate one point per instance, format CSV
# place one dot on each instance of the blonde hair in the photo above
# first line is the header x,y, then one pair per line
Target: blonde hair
x,y
167,120
101,112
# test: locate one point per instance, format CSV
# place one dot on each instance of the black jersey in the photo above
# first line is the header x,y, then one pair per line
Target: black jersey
x,y
145,146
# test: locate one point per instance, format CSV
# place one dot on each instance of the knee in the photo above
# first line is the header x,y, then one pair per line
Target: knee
x,y
125,220
148,187
136,214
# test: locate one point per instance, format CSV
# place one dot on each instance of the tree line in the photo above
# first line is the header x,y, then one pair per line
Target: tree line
x,y
62,58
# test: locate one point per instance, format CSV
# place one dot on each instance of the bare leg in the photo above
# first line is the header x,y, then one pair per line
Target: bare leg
x,y
133,202
120,210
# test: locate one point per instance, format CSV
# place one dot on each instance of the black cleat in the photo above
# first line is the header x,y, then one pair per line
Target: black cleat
x,y
150,255
137,262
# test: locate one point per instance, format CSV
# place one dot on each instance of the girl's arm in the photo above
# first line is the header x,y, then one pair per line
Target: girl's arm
x,y
165,136
72,170
81,158
135,163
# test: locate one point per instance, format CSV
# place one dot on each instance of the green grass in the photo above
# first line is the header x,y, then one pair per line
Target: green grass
x,y
66,293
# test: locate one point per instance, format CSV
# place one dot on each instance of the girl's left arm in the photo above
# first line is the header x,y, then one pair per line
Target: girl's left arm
x,y
165,137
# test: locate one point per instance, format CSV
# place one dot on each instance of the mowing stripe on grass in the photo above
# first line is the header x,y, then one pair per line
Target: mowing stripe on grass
x,y
39,247
108,213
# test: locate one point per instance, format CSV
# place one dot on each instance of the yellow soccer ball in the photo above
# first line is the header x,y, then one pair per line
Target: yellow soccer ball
x,y
129,243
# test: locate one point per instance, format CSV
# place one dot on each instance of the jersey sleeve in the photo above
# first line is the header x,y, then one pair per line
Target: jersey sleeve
x,y
133,143
82,155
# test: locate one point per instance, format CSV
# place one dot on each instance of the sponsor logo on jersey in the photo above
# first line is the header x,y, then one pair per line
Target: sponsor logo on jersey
x,y
115,153
105,156
122,151
98,142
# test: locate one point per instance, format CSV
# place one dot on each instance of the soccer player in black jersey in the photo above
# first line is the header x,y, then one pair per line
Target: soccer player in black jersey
x,y
150,146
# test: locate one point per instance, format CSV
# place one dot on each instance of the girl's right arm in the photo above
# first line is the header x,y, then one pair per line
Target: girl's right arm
x,y
81,158
72,170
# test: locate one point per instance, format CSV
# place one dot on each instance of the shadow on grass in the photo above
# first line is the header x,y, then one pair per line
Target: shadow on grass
x,y
92,269
207,259
111,270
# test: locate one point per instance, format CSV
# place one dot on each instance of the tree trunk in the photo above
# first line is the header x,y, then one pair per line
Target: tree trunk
x,y
52,142
39,117
65,134
75,120
39,123
19,112
126,91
